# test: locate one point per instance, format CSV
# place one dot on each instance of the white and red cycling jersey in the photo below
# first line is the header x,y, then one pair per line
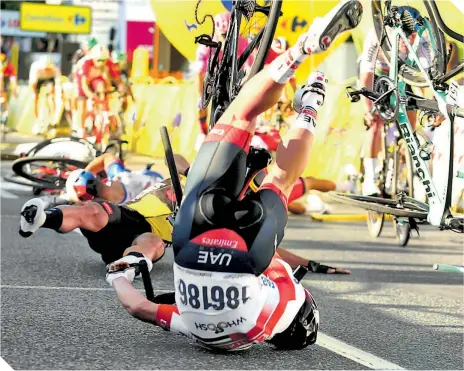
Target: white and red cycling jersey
x,y
232,311
373,59
94,74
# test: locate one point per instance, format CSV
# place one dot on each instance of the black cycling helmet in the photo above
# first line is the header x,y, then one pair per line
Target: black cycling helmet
x,y
410,17
303,330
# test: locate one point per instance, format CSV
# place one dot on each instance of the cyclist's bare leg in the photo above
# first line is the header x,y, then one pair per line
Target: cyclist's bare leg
x,y
90,216
36,105
149,245
264,89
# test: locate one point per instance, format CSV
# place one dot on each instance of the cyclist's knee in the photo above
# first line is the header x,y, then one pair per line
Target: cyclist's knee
x,y
96,215
149,244
282,179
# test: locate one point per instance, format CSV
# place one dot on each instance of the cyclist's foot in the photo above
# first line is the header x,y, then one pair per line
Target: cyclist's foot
x,y
32,217
369,188
311,96
314,204
324,30
348,185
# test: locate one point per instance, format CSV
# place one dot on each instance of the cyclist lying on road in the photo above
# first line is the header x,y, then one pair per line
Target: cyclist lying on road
x,y
232,289
113,230
121,184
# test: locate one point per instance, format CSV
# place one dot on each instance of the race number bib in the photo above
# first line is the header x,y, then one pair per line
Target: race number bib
x,y
212,296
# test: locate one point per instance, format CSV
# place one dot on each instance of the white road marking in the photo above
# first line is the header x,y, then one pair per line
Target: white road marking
x,y
72,288
355,354
7,195
14,187
5,187
4,365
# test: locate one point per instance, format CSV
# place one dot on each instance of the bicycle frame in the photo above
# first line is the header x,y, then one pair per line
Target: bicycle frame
x,y
439,187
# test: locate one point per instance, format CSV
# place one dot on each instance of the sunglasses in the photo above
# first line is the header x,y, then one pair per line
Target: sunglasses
x,y
101,60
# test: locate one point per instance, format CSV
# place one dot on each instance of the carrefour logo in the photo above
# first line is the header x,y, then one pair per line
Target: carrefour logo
x,y
77,19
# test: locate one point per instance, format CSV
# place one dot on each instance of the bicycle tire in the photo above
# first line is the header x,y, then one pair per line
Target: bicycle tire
x,y
171,164
375,222
219,100
57,183
16,179
412,208
33,151
411,75
402,229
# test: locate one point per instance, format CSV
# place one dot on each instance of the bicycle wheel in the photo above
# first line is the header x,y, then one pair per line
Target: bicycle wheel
x,y
79,148
48,172
434,40
410,208
375,223
253,22
402,182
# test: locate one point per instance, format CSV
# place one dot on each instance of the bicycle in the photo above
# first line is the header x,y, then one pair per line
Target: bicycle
x,y
227,73
46,111
47,165
393,102
394,174
101,122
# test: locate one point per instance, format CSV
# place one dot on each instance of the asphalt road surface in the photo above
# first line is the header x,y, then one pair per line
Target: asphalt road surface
x,y
394,311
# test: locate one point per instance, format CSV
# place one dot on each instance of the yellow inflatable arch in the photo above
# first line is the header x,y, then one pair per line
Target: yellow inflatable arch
x,y
182,28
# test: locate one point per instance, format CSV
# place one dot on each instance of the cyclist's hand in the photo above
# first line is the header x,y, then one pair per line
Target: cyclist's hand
x,y
371,119
118,270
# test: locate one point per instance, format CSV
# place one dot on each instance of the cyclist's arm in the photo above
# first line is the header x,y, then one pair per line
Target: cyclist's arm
x,y
138,306
84,71
33,77
115,75
85,87
13,80
106,162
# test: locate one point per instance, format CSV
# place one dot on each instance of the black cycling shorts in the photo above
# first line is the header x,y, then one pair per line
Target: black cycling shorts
x,y
124,226
213,220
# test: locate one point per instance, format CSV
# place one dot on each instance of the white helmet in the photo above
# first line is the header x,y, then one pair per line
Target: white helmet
x,y
46,61
99,53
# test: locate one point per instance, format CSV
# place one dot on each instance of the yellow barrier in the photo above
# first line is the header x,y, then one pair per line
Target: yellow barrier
x,y
339,136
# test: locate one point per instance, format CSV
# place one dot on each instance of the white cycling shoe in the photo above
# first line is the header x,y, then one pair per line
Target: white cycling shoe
x,y
32,217
324,30
369,188
314,88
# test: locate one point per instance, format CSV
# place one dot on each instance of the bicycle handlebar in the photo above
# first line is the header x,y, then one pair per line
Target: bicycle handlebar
x,y
412,101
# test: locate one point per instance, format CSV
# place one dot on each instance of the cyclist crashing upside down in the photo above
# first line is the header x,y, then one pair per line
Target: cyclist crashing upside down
x,y
226,266
139,225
